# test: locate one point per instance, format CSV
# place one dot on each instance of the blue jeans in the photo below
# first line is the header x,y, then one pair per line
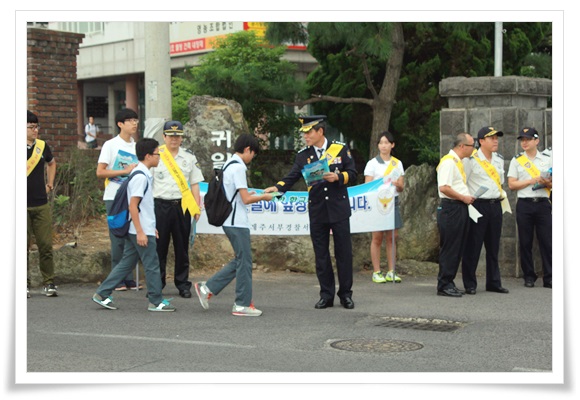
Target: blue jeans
x,y
133,253
117,245
239,268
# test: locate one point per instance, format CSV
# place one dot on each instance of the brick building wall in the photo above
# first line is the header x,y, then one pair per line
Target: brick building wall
x,y
52,85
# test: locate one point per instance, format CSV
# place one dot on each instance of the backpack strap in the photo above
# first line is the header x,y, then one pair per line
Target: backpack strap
x,y
235,193
146,185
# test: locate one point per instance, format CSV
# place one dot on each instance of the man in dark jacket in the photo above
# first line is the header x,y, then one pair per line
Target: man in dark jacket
x,y
328,208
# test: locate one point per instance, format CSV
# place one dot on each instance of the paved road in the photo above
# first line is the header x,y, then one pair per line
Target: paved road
x,y
493,332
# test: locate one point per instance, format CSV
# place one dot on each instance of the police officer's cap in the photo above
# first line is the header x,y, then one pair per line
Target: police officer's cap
x,y
529,133
173,128
310,122
488,131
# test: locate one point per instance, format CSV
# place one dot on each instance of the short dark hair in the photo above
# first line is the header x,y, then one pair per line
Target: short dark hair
x,y
246,140
125,114
145,146
31,117
387,135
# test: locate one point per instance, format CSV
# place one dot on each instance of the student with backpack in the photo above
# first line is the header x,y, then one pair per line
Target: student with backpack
x,y
237,229
140,242
116,161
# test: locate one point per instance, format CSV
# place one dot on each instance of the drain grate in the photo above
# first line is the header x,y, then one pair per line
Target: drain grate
x,y
436,325
376,345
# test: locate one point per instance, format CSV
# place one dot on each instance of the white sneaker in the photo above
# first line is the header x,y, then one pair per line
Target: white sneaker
x,y
242,311
203,293
50,290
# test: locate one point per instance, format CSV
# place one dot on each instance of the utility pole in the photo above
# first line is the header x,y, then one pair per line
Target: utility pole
x,y
498,59
157,79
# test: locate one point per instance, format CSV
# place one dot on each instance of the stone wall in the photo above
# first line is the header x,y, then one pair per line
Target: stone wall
x,y
52,85
508,104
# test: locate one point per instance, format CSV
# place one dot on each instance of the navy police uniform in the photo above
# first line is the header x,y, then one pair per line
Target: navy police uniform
x,y
328,209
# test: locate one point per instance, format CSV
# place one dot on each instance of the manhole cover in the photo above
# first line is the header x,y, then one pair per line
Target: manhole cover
x,y
436,325
376,345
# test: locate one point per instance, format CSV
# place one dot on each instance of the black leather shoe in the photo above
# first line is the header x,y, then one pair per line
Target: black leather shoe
x,y
498,290
548,285
347,303
324,303
470,290
186,294
529,284
449,292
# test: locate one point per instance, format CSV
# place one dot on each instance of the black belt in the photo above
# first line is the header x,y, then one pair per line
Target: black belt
x,y
176,201
533,199
491,201
451,201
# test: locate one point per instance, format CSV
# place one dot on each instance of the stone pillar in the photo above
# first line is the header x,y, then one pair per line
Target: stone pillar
x,y
508,104
52,86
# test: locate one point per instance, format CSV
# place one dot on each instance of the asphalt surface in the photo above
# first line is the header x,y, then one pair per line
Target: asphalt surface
x,y
488,332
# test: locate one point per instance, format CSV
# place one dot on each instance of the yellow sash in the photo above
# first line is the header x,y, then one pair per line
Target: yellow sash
x,y
32,162
392,164
530,168
187,200
458,163
490,170
331,154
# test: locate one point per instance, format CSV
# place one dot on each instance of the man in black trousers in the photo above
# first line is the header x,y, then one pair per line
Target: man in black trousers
x,y
452,214
328,208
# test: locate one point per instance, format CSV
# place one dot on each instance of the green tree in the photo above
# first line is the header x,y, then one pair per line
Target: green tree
x,y
246,70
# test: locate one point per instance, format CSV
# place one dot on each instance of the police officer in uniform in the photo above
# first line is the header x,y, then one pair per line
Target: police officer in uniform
x,y
177,174
485,169
328,209
452,214
529,175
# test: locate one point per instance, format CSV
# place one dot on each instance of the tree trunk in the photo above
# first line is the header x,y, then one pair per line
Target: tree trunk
x,y
383,103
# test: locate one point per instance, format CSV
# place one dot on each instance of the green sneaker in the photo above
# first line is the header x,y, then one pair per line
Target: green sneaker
x,y
378,277
392,276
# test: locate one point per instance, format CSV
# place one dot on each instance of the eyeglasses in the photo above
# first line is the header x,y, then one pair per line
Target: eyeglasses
x,y
33,127
132,120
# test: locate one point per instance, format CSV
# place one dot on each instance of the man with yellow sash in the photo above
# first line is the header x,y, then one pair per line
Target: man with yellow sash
x,y
328,209
38,212
452,213
485,169
529,174
177,198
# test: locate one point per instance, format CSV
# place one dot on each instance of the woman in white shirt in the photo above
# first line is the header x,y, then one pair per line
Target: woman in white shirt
x,y
390,169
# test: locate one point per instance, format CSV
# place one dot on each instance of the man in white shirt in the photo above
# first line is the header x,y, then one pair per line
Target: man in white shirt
x,y
91,131
452,214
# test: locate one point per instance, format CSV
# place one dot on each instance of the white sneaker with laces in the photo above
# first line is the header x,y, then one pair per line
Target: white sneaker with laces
x,y
203,293
165,305
242,311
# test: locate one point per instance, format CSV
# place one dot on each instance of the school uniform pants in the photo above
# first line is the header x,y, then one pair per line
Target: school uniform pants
x,y
39,225
240,268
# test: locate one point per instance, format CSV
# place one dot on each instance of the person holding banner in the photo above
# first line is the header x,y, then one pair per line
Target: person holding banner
x,y
38,211
452,213
116,161
485,175
388,168
177,198
328,206
529,174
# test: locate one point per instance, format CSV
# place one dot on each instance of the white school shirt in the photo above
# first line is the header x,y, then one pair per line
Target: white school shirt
x,y
136,188
377,167
235,178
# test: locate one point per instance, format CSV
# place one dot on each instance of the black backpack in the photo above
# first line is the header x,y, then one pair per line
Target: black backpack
x,y
119,218
217,205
